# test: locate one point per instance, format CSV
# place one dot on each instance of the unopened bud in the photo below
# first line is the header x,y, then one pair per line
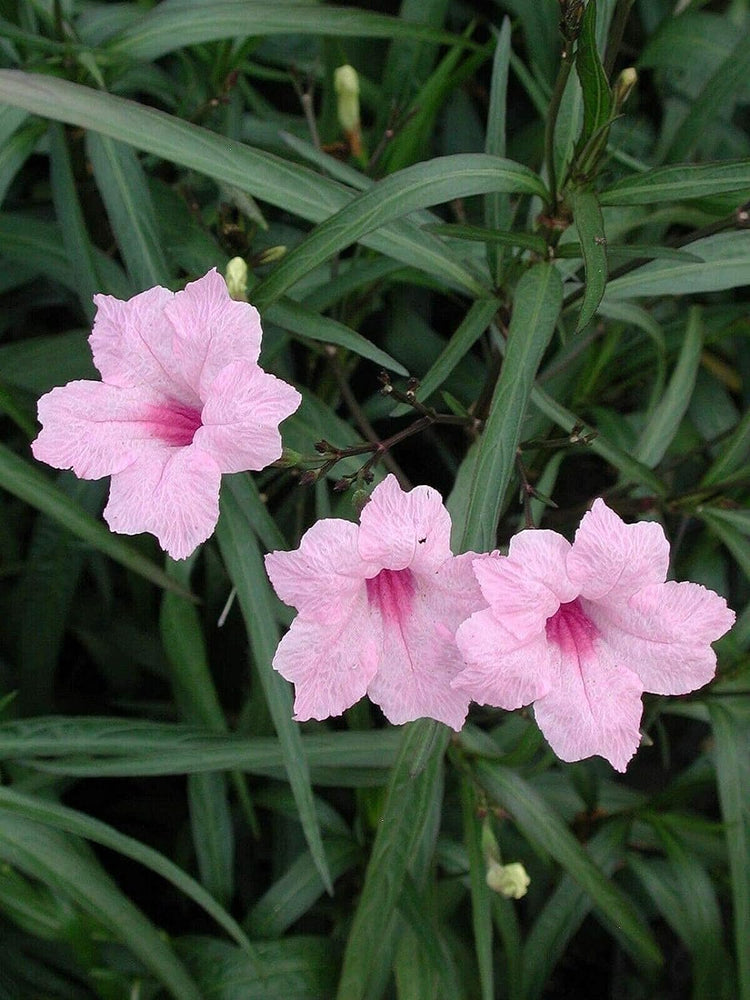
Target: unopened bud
x,y
289,459
271,255
236,279
346,85
510,880
623,86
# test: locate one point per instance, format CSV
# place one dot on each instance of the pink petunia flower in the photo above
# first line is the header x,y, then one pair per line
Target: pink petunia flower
x,y
379,604
182,400
583,630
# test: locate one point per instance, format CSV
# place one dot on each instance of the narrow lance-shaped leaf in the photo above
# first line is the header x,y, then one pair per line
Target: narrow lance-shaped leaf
x,y
438,180
597,96
239,549
535,310
679,183
588,219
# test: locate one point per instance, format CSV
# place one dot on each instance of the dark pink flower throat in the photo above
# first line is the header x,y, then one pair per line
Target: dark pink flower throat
x,y
391,591
571,629
174,423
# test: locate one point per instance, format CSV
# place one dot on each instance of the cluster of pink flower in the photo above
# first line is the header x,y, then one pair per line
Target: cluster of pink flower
x,y
385,609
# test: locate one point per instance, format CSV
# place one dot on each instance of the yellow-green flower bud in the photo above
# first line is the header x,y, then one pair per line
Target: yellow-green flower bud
x,y
346,85
510,880
270,255
236,279
623,86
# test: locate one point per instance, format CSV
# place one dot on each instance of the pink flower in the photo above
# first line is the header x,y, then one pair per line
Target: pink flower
x,y
182,400
379,604
583,630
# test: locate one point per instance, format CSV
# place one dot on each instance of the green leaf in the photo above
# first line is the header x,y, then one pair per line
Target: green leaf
x,y
31,485
304,322
679,183
587,216
60,863
731,726
173,25
729,535
239,549
714,99
536,307
441,179
725,264
659,432
79,824
481,910
733,454
527,241
409,803
123,188
497,211
597,96
534,817
16,150
268,178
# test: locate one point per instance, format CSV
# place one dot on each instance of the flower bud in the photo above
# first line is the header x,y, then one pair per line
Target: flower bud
x,y
271,255
346,85
510,880
623,86
236,279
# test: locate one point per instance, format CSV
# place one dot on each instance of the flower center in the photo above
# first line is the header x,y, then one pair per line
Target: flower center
x,y
174,423
391,591
571,629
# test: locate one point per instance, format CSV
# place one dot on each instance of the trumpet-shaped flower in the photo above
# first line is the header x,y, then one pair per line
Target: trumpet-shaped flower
x,y
379,604
182,400
583,630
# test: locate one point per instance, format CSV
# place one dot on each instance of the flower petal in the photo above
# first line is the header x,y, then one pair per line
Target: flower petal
x,y
211,330
322,577
612,558
400,529
502,670
132,344
174,494
420,657
528,585
241,417
329,665
97,429
663,634
593,707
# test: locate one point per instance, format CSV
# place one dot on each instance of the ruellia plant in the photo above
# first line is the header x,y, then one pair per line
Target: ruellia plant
x,y
375,546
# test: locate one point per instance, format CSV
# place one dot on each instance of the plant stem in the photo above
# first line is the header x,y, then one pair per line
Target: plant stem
x,y
566,64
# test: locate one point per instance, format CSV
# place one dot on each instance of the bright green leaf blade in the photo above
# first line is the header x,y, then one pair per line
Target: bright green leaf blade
x,y
731,727
60,863
125,193
597,96
408,804
588,219
679,183
658,434
239,549
535,310
533,816
31,485
725,264
71,821
267,177
431,183
173,25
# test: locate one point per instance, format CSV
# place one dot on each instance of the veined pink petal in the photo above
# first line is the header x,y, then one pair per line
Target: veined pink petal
x,y
329,665
210,330
614,559
97,429
173,493
133,344
663,634
323,576
594,705
419,656
243,408
399,529
528,585
500,669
